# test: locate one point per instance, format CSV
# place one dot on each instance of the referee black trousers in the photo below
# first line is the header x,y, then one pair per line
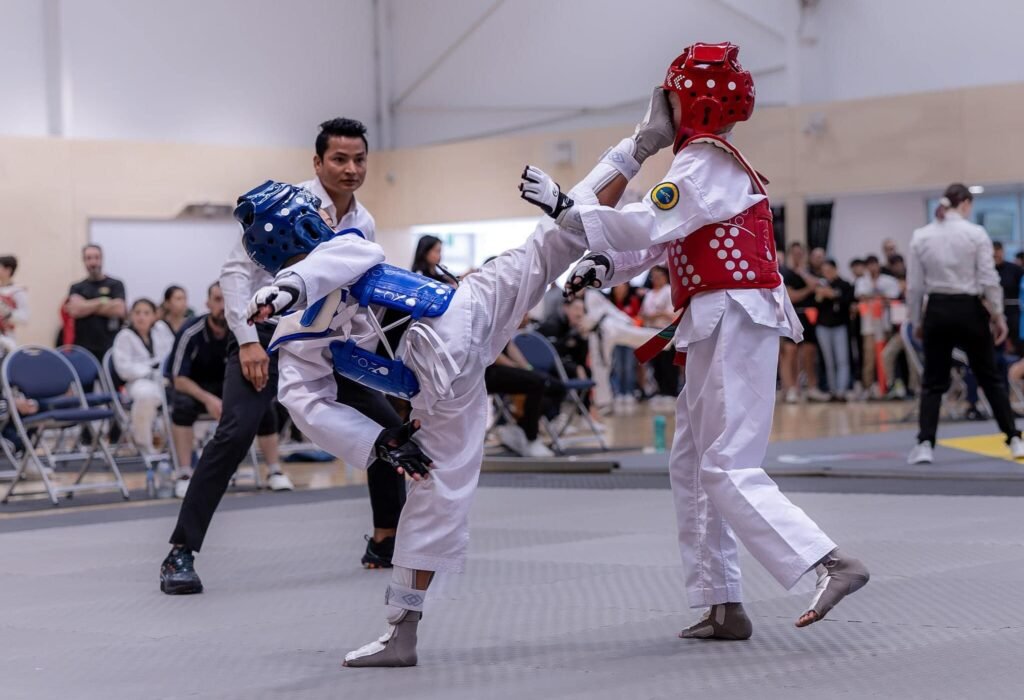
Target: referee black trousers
x,y
243,409
959,321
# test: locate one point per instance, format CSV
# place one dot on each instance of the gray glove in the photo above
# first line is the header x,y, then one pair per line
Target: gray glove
x,y
655,131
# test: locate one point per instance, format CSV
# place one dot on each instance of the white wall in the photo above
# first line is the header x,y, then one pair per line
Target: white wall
x,y
872,48
23,77
860,224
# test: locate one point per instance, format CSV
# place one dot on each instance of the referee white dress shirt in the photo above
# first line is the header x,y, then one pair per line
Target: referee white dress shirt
x,y
240,277
952,256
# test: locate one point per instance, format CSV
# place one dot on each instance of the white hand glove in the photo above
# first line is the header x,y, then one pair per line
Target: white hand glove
x,y
590,272
538,188
655,131
270,301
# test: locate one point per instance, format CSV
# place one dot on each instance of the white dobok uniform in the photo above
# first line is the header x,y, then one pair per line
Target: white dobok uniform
x,y
448,354
724,412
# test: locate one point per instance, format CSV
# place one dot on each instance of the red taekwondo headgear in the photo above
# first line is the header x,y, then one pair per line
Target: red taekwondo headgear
x,y
714,91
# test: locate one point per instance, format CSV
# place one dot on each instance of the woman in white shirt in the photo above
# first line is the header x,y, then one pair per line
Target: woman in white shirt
x,y
951,263
656,310
139,354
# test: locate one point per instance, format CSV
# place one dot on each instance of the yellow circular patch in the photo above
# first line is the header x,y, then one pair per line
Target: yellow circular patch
x,y
665,195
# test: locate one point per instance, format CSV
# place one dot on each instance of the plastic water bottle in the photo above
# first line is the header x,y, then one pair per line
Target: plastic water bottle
x,y
659,433
164,480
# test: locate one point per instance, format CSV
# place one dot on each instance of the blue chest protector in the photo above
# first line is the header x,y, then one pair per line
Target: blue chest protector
x,y
389,287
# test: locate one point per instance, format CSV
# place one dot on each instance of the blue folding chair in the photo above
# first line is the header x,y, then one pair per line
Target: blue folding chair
x,y
543,356
46,376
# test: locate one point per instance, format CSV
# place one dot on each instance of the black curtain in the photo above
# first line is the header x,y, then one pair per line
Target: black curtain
x,y
779,225
819,223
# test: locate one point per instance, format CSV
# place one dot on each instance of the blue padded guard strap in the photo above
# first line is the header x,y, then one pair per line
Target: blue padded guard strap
x,y
394,288
373,371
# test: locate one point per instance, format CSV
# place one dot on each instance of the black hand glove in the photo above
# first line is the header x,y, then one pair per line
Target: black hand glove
x,y
591,271
395,446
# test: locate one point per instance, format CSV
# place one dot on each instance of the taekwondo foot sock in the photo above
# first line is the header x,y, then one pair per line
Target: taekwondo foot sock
x,y
838,577
397,646
723,621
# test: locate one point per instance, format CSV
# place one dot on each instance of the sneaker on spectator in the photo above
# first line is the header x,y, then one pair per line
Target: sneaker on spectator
x,y
538,450
279,481
816,394
792,396
513,437
921,454
1017,448
898,392
181,486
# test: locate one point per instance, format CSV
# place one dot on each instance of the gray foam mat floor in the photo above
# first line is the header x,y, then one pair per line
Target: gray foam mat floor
x,y
570,593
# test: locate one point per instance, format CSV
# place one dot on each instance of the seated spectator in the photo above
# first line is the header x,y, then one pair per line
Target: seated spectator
x,y
13,304
196,374
174,310
834,302
511,374
24,407
875,290
623,370
139,354
657,310
568,334
96,305
427,260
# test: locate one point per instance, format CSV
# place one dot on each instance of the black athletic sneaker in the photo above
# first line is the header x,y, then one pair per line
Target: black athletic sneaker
x,y
378,554
178,573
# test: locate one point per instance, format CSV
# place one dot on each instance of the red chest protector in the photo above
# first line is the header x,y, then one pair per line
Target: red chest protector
x,y
734,254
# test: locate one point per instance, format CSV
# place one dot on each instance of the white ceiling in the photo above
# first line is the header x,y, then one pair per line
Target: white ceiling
x,y
265,72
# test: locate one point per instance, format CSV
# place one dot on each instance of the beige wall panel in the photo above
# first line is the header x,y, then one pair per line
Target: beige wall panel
x,y
993,137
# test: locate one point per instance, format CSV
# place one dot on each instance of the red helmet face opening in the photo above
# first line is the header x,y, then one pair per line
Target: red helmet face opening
x,y
713,89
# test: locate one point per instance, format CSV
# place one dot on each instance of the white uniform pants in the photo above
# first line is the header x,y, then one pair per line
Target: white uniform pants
x,y
146,400
433,532
721,491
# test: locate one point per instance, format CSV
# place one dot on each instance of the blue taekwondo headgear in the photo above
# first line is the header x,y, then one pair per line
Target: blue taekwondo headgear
x,y
280,221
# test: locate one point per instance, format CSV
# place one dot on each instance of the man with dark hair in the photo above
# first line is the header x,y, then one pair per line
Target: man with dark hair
x,y
97,305
250,380
1010,275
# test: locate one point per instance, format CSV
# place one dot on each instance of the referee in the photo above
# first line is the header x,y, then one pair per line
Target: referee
x,y
250,378
951,263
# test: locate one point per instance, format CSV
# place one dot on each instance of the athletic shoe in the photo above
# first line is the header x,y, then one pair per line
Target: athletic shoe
x,y
538,450
792,396
921,454
378,554
178,573
279,481
816,394
181,486
1017,448
513,437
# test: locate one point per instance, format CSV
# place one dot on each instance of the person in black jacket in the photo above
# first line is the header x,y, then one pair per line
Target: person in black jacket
x,y
833,296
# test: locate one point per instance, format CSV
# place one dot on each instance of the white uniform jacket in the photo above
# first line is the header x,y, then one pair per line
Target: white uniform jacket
x,y
713,187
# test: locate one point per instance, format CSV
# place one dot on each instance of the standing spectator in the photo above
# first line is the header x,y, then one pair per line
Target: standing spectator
x,y
951,263
1019,258
801,286
96,304
889,251
427,260
13,304
834,302
815,261
1010,275
623,374
174,310
657,310
874,289
139,354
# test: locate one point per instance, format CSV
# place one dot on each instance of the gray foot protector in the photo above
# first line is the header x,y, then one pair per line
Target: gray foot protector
x,y
397,647
727,621
838,577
